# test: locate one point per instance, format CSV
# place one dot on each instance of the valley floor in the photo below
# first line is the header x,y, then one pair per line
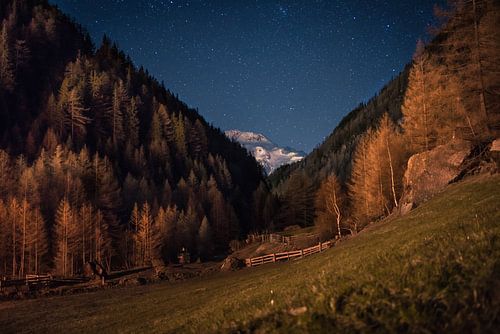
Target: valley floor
x,y
436,269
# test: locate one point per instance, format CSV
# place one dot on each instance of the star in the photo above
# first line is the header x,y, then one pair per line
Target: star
x,y
259,62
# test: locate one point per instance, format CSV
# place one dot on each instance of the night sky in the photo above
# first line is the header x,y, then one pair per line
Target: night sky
x,y
288,69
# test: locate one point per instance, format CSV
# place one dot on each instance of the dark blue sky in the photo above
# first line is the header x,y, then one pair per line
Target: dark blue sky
x,y
288,69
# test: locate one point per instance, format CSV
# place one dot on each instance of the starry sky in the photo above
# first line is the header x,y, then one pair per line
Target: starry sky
x,y
288,69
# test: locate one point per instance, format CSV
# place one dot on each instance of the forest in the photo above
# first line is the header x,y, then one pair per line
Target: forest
x,y
451,90
100,162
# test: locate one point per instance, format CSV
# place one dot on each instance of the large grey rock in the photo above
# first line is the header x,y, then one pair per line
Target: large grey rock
x,y
429,172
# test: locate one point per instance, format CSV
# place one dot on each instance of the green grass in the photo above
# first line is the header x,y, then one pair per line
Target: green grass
x,y
434,270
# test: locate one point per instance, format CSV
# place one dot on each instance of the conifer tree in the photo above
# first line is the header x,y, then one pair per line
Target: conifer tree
x,y
38,242
416,108
180,135
102,241
4,238
6,71
205,240
359,191
13,218
145,233
135,223
21,55
64,233
132,122
474,56
120,98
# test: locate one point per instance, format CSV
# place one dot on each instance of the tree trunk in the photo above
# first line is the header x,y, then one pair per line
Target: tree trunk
x,y
14,265
482,98
393,187
23,250
424,107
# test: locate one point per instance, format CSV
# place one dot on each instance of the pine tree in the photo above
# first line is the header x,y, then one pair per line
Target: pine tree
x,y
120,98
169,231
416,106
103,250
105,194
6,181
474,57
359,191
132,122
64,233
298,201
21,55
135,223
24,217
6,69
378,168
13,210
145,234
76,114
205,240
4,238
180,135
37,241
86,217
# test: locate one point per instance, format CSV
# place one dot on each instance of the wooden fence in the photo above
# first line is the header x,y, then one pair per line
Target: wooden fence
x,y
285,256
273,237
268,237
38,281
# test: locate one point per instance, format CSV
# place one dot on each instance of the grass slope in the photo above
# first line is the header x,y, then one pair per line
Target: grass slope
x,y
435,270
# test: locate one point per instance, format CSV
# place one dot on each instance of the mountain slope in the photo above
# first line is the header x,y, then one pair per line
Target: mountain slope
x,y
334,154
449,91
435,270
88,141
267,153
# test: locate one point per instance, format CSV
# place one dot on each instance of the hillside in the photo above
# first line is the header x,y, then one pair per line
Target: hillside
x,y
449,91
267,153
99,161
435,270
334,154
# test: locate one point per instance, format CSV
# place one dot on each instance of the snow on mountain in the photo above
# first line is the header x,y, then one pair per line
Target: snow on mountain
x,y
268,154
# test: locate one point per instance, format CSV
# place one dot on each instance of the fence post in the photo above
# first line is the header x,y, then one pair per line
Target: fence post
x,y
320,246
274,257
302,253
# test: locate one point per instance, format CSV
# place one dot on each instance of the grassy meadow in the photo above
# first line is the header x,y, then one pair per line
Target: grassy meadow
x,y
435,270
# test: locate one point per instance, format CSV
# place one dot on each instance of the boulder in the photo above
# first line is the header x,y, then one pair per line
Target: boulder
x,y
94,270
495,152
159,267
231,264
495,145
429,172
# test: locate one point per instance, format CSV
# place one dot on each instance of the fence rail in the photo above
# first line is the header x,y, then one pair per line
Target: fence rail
x,y
40,280
273,237
285,256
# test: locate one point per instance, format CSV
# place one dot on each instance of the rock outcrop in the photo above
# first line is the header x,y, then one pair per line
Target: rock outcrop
x,y
431,171
231,263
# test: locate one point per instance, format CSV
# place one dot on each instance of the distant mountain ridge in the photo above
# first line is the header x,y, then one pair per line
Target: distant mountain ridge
x,y
268,154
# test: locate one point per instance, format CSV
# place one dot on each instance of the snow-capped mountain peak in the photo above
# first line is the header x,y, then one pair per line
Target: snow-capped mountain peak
x,y
268,154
